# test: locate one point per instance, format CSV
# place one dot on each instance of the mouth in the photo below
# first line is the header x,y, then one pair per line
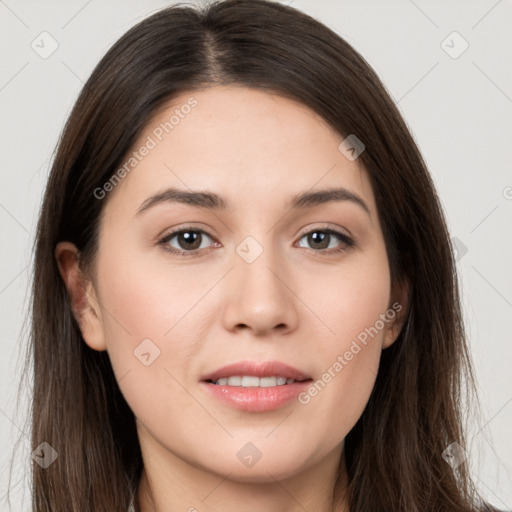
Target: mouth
x,y
256,374
252,381
256,386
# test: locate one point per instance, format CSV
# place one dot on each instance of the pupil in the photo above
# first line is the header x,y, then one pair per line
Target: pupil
x,y
189,237
318,235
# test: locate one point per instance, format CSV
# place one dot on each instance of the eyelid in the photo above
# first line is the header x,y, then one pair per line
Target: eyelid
x,y
182,229
186,227
328,228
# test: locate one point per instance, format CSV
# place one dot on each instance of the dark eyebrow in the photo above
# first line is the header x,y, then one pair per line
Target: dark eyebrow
x,y
207,200
317,197
212,201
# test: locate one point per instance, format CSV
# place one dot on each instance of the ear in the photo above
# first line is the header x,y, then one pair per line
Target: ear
x,y
397,311
84,302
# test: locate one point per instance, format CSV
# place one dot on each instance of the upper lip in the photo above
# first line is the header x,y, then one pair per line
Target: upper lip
x,y
257,369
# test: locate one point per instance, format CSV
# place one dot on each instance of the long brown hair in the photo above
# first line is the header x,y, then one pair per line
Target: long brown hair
x,y
394,453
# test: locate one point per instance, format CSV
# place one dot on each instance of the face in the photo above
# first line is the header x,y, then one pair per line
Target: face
x,y
181,289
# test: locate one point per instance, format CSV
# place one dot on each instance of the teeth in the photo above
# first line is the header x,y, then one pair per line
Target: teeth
x,y
249,381
233,381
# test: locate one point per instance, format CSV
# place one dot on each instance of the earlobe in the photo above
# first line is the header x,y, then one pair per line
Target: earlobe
x,y
82,296
397,312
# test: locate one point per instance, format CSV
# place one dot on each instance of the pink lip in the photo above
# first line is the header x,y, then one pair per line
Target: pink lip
x,y
257,369
256,399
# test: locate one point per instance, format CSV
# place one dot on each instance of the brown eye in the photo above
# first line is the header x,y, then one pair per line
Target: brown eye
x,y
189,239
185,241
324,240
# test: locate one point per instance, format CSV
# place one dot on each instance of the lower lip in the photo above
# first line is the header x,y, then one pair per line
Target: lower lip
x,y
256,399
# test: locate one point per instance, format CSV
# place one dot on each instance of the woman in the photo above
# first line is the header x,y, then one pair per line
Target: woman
x,y
206,157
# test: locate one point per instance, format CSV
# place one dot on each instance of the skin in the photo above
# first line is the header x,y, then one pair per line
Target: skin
x,y
294,303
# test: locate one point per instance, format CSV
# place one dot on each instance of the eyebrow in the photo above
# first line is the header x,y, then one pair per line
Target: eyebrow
x,y
212,201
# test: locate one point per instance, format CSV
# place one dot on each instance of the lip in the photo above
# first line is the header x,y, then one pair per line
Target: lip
x,y
257,369
256,399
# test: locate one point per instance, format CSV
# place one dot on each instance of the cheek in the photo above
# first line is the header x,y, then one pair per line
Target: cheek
x,y
146,299
349,298
150,333
351,308
144,308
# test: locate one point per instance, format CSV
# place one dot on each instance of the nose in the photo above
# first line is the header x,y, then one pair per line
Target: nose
x,y
260,297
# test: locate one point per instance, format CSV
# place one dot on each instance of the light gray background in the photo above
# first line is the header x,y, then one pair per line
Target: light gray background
x,y
458,109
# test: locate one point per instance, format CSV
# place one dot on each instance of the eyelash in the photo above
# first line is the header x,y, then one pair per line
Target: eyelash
x,y
346,244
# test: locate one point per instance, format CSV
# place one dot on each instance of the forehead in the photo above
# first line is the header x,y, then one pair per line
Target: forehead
x,y
250,146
